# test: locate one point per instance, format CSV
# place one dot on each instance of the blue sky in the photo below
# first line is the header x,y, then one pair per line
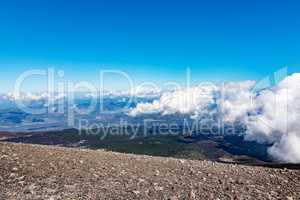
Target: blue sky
x,y
151,40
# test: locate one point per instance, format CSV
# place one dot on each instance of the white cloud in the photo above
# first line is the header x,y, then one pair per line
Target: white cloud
x,y
235,100
279,119
186,101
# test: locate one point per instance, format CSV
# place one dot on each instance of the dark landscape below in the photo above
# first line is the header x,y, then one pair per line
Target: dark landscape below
x,y
228,149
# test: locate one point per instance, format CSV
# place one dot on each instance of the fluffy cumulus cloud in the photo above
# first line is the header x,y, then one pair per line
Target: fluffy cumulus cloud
x,y
188,101
271,115
278,119
235,100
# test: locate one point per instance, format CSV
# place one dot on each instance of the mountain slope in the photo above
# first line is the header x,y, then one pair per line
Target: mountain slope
x,y
47,172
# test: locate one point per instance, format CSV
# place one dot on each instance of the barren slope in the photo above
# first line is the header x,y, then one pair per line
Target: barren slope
x,y
44,172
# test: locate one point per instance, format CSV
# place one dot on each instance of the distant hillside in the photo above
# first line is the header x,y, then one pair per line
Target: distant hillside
x,y
231,149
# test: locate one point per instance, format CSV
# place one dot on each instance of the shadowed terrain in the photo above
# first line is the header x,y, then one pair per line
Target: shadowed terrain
x,y
232,149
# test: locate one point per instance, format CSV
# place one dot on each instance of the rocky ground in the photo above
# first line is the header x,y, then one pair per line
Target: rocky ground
x,y
47,172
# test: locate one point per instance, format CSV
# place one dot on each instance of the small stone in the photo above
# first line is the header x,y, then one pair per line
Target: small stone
x,y
21,182
136,192
158,188
29,189
14,169
141,180
12,175
230,180
21,178
70,187
50,191
192,194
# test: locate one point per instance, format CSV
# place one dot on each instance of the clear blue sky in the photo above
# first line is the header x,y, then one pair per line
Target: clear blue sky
x,y
151,40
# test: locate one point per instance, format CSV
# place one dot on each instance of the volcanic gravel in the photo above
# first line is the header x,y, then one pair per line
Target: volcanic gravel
x,y
48,172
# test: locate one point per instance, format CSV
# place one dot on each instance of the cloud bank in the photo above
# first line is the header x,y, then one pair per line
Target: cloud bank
x,y
271,115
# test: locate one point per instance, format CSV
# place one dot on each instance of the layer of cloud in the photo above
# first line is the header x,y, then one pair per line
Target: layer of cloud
x,y
271,115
